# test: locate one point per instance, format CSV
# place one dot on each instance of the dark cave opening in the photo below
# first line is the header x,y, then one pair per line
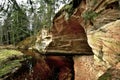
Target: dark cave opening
x,y
54,68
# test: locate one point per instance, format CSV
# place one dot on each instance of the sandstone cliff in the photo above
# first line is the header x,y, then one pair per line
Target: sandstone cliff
x,y
87,30
88,24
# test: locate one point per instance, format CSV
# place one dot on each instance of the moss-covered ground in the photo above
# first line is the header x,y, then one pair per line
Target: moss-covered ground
x,y
10,61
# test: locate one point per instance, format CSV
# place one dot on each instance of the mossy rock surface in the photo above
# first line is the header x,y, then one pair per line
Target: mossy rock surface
x,y
111,74
10,61
6,55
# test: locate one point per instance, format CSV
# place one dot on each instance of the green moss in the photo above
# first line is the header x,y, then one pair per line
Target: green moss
x,y
89,15
94,2
105,76
26,43
5,55
10,60
9,67
68,8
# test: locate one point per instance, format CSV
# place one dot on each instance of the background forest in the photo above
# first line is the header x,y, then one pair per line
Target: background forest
x,y
22,18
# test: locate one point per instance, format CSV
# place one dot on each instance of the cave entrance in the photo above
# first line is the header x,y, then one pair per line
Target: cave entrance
x,y
69,40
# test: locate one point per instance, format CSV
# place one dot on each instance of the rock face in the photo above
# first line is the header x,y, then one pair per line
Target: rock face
x,y
94,22
82,28
103,34
105,44
68,35
84,68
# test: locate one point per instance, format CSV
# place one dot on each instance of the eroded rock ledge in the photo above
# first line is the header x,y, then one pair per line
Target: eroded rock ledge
x,y
89,28
69,36
94,27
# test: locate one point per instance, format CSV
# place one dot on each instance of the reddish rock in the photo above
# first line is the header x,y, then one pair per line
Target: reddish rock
x,y
69,36
84,68
90,23
41,71
62,66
